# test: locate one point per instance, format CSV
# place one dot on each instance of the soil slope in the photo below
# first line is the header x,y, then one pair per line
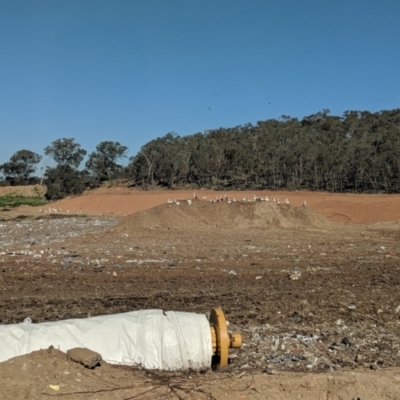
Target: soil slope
x,y
203,215
347,208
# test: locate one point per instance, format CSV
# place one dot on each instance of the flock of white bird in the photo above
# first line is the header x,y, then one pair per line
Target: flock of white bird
x,y
230,201
56,210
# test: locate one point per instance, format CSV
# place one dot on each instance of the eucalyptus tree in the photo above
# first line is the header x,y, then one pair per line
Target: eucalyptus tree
x,y
64,179
66,152
21,165
103,161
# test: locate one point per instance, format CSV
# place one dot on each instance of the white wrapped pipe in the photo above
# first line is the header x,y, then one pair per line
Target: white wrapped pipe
x,y
149,338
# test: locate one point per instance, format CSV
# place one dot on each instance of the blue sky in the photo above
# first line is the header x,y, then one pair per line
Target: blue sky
x,y
134,70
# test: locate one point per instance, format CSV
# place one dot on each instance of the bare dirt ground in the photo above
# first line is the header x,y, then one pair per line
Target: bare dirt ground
x,y
354,208
313,290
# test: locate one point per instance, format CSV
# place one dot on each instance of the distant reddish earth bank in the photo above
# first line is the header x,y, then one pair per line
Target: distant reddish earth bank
x,y
346,208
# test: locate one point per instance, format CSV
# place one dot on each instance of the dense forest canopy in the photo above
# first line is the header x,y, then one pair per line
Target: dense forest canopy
x,y
358,152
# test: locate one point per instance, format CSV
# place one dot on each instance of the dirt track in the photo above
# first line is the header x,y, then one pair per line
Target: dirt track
x,y
341,314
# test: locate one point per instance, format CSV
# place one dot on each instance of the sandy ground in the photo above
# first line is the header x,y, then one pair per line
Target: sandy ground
x,y
356,208
313,290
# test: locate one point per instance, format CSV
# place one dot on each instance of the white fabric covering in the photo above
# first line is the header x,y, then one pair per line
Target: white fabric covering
x,y
150,338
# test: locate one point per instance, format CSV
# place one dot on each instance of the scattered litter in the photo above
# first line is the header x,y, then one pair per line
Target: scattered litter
x,y
232,272
294,275
346,341
286,358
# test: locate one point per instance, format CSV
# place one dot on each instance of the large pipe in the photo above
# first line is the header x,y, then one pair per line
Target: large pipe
x,y
152,339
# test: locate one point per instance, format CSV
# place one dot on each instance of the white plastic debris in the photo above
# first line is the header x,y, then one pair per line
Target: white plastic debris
x,y
152,339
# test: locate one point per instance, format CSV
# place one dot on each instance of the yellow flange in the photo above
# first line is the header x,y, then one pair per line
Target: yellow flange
x,y
222,341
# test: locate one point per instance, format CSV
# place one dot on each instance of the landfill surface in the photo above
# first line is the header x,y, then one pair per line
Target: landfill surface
x,y
308,294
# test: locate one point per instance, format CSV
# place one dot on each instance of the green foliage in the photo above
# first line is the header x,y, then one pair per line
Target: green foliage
x,y
66,152
103,162
357,152
20,166
62,181
14,200
164,161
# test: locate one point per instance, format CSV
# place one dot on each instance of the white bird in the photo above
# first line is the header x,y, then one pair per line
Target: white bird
x,y
189,202
287,201
244,199
204,197
304,203
234,200
177,203
274,200
170,201
194,195
267,199
278,201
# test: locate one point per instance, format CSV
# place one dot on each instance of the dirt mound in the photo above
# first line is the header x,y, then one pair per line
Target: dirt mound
x,y
50,373
203,215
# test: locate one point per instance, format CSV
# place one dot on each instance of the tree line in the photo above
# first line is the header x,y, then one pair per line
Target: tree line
x,y
65,178
357,152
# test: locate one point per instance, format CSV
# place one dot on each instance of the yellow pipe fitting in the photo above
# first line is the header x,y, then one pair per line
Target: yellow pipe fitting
x,y
221,340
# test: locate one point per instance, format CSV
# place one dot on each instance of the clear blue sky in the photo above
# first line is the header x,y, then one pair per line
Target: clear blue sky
x,y
134,70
